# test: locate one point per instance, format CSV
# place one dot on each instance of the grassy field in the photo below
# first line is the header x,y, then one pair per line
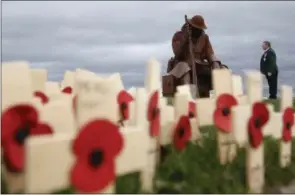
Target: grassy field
x,y
197,170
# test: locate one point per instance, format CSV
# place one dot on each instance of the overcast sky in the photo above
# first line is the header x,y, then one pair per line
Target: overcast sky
x,y
120,36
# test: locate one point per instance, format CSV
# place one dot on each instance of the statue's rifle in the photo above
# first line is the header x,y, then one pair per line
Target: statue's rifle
x,y
191,58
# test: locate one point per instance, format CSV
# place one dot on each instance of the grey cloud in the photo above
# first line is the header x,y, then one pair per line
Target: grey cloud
x,y
121,36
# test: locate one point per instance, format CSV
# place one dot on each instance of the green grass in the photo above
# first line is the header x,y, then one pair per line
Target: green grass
x,y
197,170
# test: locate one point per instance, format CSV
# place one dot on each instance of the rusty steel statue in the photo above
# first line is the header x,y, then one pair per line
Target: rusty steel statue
x,y
193,61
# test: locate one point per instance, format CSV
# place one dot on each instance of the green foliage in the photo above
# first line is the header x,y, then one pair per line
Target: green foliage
x,y
128,184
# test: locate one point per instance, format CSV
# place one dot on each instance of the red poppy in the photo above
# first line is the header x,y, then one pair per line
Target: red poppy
x,y
19,122
153,114
192,109
42,96
67,90
182,132
288,122
259,118
222,113
95,148
123,100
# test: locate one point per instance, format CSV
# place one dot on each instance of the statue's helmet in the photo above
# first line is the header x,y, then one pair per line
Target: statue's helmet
x,y
198,22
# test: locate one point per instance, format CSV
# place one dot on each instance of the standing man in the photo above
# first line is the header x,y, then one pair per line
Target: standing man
x,y
268,67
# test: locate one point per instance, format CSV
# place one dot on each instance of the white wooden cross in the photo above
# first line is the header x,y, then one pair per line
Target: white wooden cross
x,y
59,115
132,109
238,90
152,84
205,108
17,89
68,80
186,90
95,99
52,90
255,156
237,85
39,78
274,125
167,122
222,84
240,119
286,147
49,160
16,83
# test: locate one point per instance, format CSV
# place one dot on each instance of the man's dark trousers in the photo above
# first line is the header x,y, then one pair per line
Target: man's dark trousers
x,y
273,84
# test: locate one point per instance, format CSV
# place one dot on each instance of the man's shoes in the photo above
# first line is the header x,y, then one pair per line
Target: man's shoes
x,y
272,98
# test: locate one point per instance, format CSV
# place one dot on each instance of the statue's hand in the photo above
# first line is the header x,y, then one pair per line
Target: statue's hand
x,y
216,65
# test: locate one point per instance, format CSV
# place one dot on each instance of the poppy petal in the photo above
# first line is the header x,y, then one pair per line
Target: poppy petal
x,y
9,122
288,115
182,133
152,105
192,109
260,110
255,134
153,114
225,100
222,122
259,118
15,117
67,90
14,155
86,179
288,122
123,99
42,96
222,113
155,127
41,129
101,134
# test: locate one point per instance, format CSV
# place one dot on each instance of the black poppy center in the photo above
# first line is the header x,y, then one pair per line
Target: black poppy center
x,y
21,134
96,158
180,132
257,122
176,176
123,106
225,111
288,125
154,112
163,153
191,114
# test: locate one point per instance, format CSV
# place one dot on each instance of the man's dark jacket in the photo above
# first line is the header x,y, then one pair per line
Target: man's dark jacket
x,y
268,62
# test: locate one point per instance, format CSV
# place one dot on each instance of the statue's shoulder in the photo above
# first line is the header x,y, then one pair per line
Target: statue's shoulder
x,y
177,36
205,36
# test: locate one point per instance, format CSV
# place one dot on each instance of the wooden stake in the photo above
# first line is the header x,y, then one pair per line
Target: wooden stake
x,y
240,118
16,83
255,160
286,147
205,109
39,78
222,84
48,162
58,114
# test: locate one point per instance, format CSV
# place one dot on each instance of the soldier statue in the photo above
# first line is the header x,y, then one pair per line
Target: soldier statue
x,y
203,56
